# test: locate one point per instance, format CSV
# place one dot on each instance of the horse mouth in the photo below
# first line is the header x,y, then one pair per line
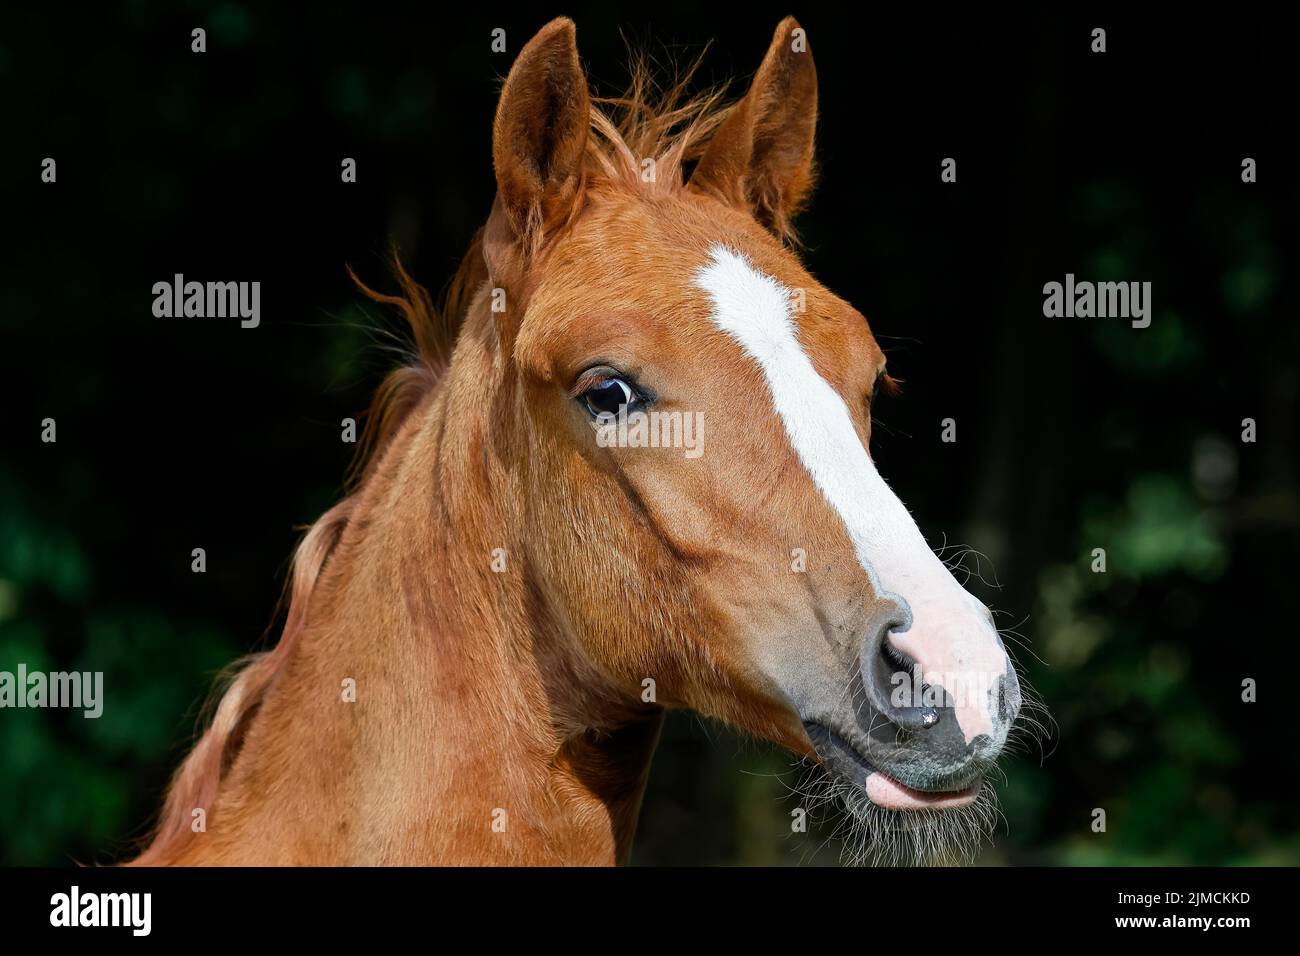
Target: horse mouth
x,y
847,762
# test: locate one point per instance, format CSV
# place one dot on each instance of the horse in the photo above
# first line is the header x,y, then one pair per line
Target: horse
x,y
483,637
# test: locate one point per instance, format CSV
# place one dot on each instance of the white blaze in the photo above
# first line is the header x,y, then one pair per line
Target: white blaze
x,y
949,634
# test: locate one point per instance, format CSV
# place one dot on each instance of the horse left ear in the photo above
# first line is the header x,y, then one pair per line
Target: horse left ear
x,y
761,157
540,132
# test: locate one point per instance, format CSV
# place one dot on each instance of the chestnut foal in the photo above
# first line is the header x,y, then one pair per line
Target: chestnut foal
x,y
484,636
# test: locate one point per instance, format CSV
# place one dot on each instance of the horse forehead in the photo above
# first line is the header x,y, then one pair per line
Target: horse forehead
x,y
660,243
632,271
774,313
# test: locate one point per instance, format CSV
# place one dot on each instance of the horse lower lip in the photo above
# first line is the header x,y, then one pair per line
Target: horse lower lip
x,y
880,788
885,791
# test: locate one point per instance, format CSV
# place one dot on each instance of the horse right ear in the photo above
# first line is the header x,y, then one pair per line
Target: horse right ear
x,y
761,157
540,132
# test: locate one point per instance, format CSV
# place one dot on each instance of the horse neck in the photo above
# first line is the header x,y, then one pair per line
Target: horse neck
x,y
478,733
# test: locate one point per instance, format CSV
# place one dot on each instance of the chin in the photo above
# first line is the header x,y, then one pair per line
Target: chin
x,y
889,822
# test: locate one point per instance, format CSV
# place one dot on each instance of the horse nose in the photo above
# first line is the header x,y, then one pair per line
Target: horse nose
x,y
894,688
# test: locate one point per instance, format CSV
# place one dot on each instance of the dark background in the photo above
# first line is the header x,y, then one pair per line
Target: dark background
x,y
1072,434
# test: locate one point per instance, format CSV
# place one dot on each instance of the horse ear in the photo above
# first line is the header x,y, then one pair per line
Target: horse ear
x,y
761,157
540,132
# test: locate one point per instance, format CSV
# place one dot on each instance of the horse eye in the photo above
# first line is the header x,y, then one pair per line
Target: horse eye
x,y
608,397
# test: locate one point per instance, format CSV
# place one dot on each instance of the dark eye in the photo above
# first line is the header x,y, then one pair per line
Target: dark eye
x,y
608,397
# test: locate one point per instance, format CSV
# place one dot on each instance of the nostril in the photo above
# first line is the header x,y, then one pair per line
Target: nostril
x,y
899,694
916,688
889,677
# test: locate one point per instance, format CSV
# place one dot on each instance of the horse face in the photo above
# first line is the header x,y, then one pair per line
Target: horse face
x,y
705,519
